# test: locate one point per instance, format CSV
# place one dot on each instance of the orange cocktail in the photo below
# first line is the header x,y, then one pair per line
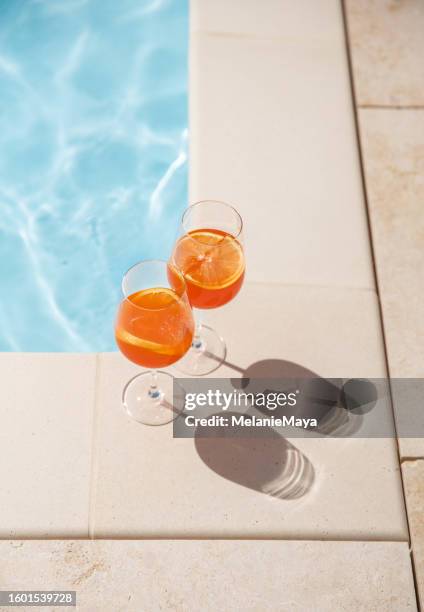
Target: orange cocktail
x,y
210,255
212,262
154,328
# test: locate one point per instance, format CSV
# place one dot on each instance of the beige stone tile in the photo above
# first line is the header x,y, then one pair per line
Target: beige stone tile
x,y
239,576
46,404
272,132
413,478
299,21
152,485
387,46
393,149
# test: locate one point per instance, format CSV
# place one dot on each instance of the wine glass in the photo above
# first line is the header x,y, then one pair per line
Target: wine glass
x,y
209,252
154,328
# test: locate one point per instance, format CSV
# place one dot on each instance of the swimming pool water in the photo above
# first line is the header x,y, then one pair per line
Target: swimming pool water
x,y
93,172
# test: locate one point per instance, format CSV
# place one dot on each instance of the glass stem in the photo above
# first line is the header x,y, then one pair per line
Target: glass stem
x,y
154,392
197,343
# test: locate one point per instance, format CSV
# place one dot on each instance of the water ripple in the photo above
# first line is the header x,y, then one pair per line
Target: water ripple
x,y
93,172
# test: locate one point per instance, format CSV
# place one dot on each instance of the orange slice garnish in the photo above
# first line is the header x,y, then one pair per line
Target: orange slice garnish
x,y
210,259
148,345
154,298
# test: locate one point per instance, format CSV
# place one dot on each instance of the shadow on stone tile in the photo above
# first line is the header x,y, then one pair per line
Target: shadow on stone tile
x,y
269,464
336,404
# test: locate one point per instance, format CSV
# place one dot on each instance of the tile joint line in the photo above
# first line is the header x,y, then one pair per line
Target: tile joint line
x,y
408,459
391,106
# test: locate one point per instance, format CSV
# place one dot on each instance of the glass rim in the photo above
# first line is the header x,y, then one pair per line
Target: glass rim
x,y
229,206
168,264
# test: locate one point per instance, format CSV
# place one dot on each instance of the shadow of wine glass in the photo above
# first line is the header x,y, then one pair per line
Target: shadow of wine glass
x,y
338,406
268,464
359,396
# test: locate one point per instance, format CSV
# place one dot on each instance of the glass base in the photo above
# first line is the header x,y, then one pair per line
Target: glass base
x,y
207,353
157,408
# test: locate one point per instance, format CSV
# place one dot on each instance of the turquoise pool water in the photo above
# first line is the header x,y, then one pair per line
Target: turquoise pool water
x,y
93,160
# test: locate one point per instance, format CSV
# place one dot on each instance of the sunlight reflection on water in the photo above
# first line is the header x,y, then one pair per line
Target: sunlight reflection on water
x,y
93,162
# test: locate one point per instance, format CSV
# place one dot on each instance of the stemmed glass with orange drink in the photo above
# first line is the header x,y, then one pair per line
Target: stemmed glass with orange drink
x,y
210,255
154,328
